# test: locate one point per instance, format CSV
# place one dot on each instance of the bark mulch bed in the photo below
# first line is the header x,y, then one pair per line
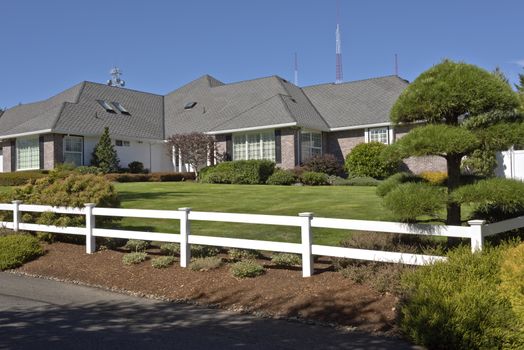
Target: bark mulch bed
x,y
326,297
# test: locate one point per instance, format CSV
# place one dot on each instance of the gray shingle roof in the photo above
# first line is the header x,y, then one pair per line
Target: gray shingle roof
x,y
356,103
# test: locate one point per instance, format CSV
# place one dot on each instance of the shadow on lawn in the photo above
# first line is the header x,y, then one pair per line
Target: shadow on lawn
x,y
160,325
139,196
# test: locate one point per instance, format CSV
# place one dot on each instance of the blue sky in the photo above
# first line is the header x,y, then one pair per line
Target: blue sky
x,y
48,46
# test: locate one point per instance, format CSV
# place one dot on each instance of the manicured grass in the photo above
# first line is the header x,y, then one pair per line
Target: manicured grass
x,y
351,202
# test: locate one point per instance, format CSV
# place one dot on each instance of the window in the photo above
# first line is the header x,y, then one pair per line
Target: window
x,y
190,105
27,153
121,108
105,105
122,143
310,144
74,150
379,135
258,145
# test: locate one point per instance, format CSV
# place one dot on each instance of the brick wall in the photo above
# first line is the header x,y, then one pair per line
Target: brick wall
x,y
340,143
289,154
8,153
53,150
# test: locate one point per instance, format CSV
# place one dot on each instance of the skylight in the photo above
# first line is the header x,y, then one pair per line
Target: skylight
x,y
105,105
190,105
121,108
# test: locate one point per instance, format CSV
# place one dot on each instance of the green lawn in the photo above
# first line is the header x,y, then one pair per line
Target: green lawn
x,y
349,202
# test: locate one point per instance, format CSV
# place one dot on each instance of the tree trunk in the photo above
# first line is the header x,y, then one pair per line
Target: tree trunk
x,y
453,208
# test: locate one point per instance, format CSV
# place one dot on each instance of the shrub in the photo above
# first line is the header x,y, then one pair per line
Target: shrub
x,y
170,248
88,170
153,177
326,164
435,177
238,172
365,160
203,251
286,259
171,177
20,178
314,179
282,177
411,200
134,258
363,181
17,249
136,167
481,162
457,304
116,177
104,155
243,254
382,277
205,264
512,280
137,245
162,262
394,180
246,269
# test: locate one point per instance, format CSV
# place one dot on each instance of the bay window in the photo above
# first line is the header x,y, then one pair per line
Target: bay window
x,y
28,153
254,145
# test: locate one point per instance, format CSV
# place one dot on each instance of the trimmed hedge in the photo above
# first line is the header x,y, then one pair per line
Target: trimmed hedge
x,y
512,280
17,249
314,179
326,163
365,160
153,177
20,177
458,305
282,177
238,172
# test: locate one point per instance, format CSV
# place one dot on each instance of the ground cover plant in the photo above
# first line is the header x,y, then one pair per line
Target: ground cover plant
x,y
206,264
134,258
16,249
162,262
247,269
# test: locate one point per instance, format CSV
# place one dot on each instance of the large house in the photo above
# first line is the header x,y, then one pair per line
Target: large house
x,y
266,118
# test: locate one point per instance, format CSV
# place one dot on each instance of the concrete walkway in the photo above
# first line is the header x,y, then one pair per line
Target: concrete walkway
x,y
42,314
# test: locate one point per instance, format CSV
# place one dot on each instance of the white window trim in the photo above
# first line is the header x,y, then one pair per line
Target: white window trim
x,y
389,134
246,143
37,138
64,147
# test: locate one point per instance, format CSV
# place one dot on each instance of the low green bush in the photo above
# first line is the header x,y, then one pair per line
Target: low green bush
x,y
238,172
134,258
411,200
247,269
203,251
512,280
162,262
171,177
243,254
17,249
137,245
314,179
365,160
382,277
20,177
282,177
88,170
152,177
458,305
170,249
394,180
286,259
205,264
326,163
136,167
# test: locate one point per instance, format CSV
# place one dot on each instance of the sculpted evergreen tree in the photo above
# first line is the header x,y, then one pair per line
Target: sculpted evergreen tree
x,y
104,155
464,109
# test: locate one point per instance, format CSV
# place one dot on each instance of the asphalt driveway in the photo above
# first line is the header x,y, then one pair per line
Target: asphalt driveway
x,y
43,314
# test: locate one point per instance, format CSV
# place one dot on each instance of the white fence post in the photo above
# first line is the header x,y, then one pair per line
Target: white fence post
x,y
16,215
90,225
477,234
185,228
307,258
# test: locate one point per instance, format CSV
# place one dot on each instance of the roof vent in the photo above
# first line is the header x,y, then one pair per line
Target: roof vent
x,y
105,105
190,105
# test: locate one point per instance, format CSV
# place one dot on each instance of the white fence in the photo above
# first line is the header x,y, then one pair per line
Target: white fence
x,y
306,221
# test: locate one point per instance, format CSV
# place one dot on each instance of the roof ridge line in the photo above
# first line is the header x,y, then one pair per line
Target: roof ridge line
x,y
359,80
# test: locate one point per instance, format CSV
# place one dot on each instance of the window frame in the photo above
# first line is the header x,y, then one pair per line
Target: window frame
x,y
369,132
311,147
64,148
266,144
36,140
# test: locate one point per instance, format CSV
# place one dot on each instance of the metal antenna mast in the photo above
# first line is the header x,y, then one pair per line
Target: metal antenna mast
x,y
296,69
396,65
115,78
338,53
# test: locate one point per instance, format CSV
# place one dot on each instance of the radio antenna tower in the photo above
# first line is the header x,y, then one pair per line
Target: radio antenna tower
x,y
396,65
115,78
296,69
339,76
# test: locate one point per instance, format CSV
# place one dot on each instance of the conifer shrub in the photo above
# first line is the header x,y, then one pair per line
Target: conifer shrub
x,y
512,280
17,249
396,179
434,177
104,155
365,160
247,269
20,177
457,304
136,167
312,178
282,177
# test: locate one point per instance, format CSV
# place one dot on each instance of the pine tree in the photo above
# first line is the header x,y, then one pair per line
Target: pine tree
x,y
520,85
104,155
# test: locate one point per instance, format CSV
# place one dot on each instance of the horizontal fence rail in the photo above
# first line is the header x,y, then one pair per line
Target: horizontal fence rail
x,y
476,231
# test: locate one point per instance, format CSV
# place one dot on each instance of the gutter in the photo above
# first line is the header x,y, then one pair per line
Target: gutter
x,y
273,126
